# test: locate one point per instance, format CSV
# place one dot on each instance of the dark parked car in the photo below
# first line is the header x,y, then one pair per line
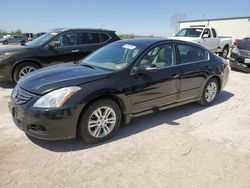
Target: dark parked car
x,y
118,82
240,56
16,39
57,46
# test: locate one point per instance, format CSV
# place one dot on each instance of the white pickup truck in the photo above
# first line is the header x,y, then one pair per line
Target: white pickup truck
x,y
207,37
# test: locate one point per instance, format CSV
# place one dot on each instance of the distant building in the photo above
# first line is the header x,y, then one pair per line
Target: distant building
x,y
237,27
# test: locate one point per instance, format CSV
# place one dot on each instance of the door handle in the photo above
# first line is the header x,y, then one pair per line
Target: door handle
x,y
75,51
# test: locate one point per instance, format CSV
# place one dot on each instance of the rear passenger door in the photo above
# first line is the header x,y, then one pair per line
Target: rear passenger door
x,y
87,42
194,64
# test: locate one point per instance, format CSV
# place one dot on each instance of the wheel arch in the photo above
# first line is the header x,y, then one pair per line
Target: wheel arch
x,y
38,63
218,78
112,97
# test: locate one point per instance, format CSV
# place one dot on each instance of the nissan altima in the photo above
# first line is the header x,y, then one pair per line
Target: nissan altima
x,y
115,84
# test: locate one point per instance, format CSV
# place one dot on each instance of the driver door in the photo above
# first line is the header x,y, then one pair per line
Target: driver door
x,y
154,89
62,49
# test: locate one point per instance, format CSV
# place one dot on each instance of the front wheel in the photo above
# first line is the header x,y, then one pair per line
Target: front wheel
x,y
22,43
24,68
5,42
100,121
210,92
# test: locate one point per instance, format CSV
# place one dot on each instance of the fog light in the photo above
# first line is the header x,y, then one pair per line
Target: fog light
x,y
247,60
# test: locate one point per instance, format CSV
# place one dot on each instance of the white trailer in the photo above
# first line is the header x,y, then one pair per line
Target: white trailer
x,y
237,27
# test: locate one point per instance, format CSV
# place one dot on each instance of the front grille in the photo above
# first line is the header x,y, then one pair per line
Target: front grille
x,y
244,52
20,96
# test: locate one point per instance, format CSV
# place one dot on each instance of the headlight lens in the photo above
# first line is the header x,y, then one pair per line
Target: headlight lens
x,y
57,98
4,56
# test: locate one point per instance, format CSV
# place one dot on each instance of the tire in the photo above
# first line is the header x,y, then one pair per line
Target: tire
x,y
206,94
5,42
23,69
98,131
22,43
224,52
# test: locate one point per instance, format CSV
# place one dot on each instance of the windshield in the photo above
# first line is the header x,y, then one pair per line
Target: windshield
x,y
42,39
114,56
189,32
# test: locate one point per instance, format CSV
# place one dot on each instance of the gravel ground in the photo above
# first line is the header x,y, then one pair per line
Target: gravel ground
x,y
188,146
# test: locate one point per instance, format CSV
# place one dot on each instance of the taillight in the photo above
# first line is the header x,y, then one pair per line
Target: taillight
x,y
236,41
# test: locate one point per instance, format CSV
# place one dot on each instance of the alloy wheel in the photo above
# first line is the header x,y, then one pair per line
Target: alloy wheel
x,y
211,92
26,70
101,122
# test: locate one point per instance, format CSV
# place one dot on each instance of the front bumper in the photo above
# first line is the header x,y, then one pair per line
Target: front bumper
x,y
5,71
239,65
46,124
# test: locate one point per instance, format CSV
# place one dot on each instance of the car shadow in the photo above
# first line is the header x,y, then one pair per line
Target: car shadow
x,y
7,85
136,126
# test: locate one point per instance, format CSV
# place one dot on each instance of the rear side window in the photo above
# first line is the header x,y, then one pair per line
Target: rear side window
x,y
214,33
87,38
189,53
104,37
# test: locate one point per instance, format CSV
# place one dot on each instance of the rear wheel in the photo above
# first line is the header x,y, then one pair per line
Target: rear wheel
x,y
210,92
5,42
100,121
224,52
24,68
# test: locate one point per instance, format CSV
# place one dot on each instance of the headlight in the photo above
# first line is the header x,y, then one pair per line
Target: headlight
x,y
4,56
247,60
57,98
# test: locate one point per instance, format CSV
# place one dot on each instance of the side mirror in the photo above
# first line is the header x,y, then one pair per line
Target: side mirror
x,y
205,36
144,69
51,45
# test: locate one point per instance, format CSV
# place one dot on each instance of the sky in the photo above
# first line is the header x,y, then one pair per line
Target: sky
x,y
141,17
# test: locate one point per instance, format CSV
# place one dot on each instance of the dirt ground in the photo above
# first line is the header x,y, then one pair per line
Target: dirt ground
x,y
188,146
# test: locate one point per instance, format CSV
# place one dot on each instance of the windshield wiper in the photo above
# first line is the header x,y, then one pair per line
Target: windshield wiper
x,y
88,65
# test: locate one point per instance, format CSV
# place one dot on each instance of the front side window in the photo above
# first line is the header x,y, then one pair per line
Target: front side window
x,y
42,39
162,56
88,38
114,56
65,40
189,53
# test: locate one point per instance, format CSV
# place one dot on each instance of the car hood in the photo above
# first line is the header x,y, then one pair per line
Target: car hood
x,y
48,79
8,49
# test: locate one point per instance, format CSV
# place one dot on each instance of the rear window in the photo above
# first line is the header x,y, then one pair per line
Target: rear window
x,y
87,38
189,53
214,33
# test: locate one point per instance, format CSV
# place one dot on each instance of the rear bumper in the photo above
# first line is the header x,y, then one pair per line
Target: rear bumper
x,y
234,64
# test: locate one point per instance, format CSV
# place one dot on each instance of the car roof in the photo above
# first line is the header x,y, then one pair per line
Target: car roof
x,y
145,41
80,29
